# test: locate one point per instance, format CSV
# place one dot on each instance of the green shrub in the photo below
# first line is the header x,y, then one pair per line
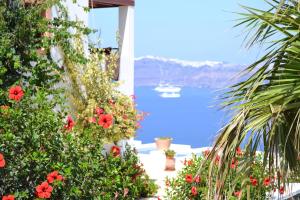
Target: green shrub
x,y
36,142
189,184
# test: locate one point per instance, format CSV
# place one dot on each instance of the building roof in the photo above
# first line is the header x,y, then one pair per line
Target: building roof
x,y
110,3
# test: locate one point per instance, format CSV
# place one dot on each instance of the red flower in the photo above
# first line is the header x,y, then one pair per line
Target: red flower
x,y
267,181
239,151
197,179
54,176
187,162
15,93
234,163
44,190
99,111
217,159
105,120
8,197
206,152
253,181
115,151
281,190
70,123
189,178
2,161
237,193
194,191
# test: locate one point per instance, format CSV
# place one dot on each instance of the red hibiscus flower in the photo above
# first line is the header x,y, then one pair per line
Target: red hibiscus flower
x,y
267,181
2,161
187,162
253,181
8,197
217,159
206,153
239,151
44,190
54,176
115,151
99,111
281,190
189,178
197,179
194,191
70,124
237,193
105,120
234,163
15,93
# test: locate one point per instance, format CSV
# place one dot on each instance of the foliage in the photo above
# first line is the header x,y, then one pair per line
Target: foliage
x,y
164,138
26,41
170,153
266,104
126,178
93,94
43,152
41,144
192,184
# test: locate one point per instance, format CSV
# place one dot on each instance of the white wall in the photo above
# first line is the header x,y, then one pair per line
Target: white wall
x,y
126,48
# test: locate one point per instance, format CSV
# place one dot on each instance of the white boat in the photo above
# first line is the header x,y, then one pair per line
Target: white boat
x,y
167,88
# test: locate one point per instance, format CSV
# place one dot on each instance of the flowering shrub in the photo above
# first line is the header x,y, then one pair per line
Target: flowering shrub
x,y
95,100
44,157
46,152
191,185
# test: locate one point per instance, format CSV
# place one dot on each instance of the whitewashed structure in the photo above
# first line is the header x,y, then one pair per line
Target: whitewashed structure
x,y
77,12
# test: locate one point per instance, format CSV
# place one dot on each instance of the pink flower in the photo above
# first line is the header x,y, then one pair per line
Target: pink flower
x,y
194,191
197,179
99,111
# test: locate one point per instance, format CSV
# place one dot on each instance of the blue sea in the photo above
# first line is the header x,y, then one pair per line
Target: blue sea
x,y
192,119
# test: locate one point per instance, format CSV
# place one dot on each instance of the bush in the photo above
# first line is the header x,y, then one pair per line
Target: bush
x,y
44,153
41,152
189,184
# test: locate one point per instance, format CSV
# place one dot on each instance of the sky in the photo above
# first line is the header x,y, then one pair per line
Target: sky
x,y
195,30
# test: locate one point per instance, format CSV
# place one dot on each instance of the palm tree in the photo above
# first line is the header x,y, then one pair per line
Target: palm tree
x,y
266,105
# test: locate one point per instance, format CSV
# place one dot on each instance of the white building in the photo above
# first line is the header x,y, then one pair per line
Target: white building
x,y
126,32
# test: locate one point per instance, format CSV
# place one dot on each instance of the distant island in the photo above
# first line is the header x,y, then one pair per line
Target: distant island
x,y
153,71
